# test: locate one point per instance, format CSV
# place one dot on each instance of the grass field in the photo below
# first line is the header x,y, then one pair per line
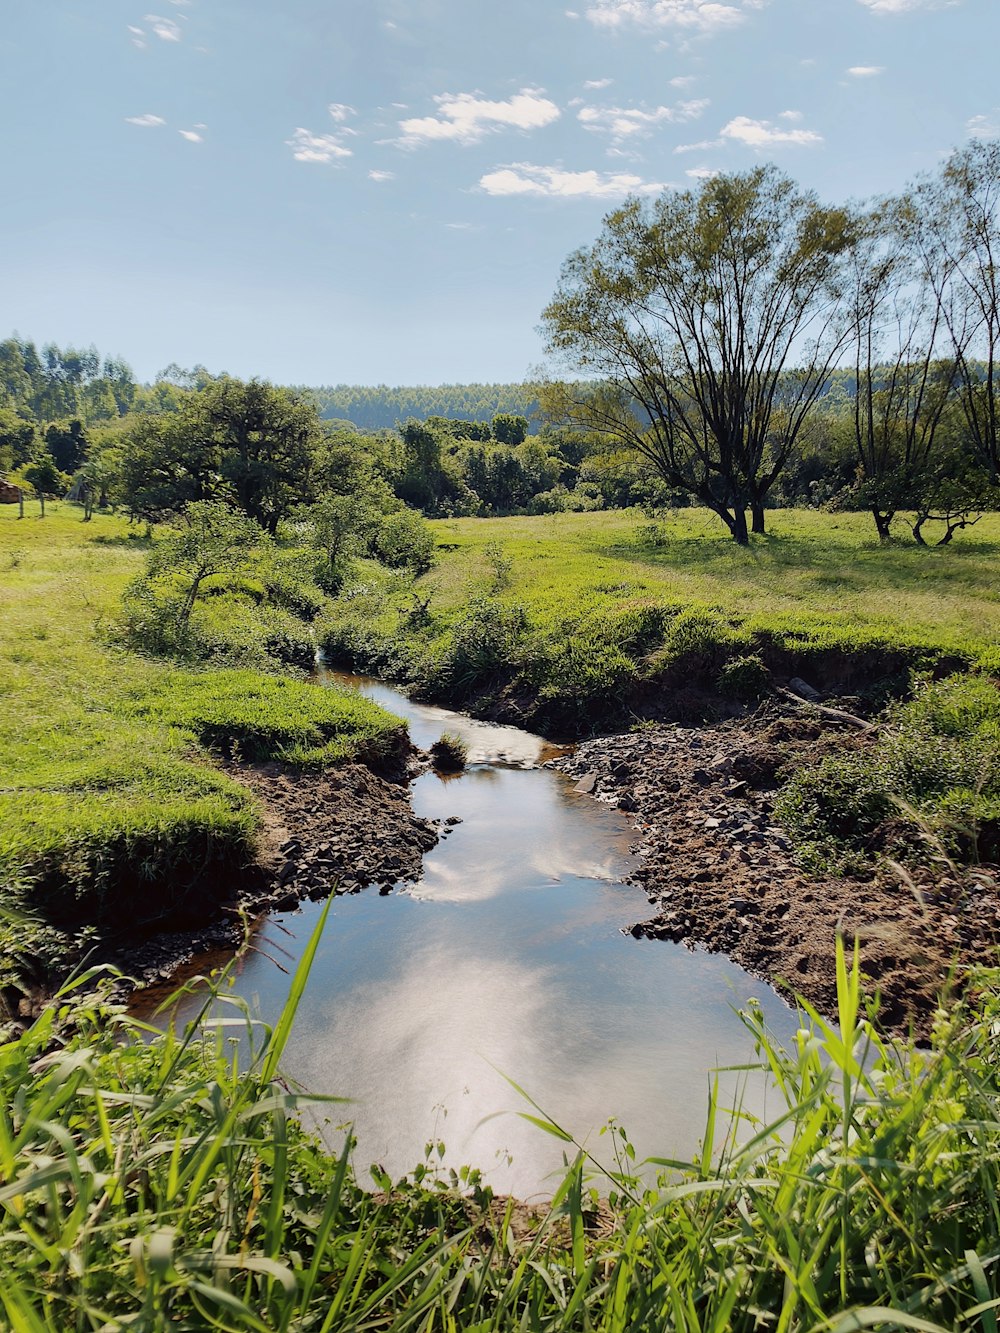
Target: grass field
x,y
109,803
577,605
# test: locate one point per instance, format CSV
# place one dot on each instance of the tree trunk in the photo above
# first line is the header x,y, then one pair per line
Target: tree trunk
x,y
757,510
883,523
739,528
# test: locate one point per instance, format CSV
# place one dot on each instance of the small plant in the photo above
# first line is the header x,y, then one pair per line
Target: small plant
x,y
449,753
744,678
501,564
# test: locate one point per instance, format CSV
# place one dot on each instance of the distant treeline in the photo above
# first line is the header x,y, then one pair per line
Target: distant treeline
x,y
379,407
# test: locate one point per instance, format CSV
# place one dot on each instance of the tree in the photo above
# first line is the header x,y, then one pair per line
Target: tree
x,y
510,429
68,445
686,315
903,381
267,440
339,528
214,539
164,466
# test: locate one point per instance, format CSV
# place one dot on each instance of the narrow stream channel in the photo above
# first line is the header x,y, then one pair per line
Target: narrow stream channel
x,y
508,958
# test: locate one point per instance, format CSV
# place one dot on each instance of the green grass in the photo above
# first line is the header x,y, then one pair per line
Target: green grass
x,y
110,806
155,1182
595,604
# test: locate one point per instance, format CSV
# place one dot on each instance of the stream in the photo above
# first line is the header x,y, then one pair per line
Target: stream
x,y
507,959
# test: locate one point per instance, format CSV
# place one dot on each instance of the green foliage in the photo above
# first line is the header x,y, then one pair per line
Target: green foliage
x,y
934,770
403,540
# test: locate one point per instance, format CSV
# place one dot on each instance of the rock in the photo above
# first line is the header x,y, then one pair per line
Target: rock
x,y
712,823
701,776
586,784
288,871
743,906
804,690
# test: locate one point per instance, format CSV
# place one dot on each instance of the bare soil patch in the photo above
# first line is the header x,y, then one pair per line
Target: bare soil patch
x,y
721,873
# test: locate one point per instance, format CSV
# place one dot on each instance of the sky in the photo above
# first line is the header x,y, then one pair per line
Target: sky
x,y
383,191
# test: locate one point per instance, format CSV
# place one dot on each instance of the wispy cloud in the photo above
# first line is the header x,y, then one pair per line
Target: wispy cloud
x,y
146,122
865,71
381,175
192,136
166,29
682,81
693,16
597,84
701,173
905,6
138,37
984,127
764,134
700,147
623,122
340,111
465,118
322,148
522,178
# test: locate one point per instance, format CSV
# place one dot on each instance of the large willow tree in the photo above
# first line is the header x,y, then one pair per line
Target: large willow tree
x,y
687,316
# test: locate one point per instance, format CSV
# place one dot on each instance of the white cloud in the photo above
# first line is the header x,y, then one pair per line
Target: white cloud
x,y
698,147
192,136
905,6
865,71
340,111
166,29
763,134
521,178
309,147
683,81
621,122
381,175
148,121
465,118
701,173
597,84
459,226
698,16
793,116
984,127
138,37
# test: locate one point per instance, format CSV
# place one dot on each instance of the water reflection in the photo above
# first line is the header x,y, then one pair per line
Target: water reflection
x,y
509,958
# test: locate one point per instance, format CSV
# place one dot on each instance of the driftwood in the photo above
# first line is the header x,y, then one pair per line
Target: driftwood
x,y
834,714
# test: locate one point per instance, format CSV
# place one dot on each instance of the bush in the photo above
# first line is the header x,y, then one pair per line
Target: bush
x,y
403,540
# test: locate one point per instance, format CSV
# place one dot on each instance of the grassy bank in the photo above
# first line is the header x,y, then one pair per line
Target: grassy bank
x,y
554,614
111,811
156,1184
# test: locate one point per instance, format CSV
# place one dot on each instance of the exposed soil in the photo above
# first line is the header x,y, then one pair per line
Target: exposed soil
x,y
721,873
334,832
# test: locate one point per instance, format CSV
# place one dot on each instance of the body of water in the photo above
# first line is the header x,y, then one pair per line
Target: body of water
x,y
508,961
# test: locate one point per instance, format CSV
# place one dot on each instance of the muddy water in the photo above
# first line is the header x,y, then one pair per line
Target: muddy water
x,y
508,958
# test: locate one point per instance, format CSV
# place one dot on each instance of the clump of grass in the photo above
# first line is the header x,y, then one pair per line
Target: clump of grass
x,y
259,717
744,678
157,1180
449,753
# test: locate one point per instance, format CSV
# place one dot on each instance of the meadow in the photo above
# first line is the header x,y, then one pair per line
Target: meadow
x,y
110,803
562,611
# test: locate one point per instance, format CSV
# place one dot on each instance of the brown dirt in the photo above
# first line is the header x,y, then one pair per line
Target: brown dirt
x,y
334,832
721,873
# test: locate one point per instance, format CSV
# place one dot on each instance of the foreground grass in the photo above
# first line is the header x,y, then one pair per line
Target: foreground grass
x,y
154,1184
570,608
110,808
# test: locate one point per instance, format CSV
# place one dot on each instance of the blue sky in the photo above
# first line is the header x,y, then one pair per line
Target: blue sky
x,y
382,191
